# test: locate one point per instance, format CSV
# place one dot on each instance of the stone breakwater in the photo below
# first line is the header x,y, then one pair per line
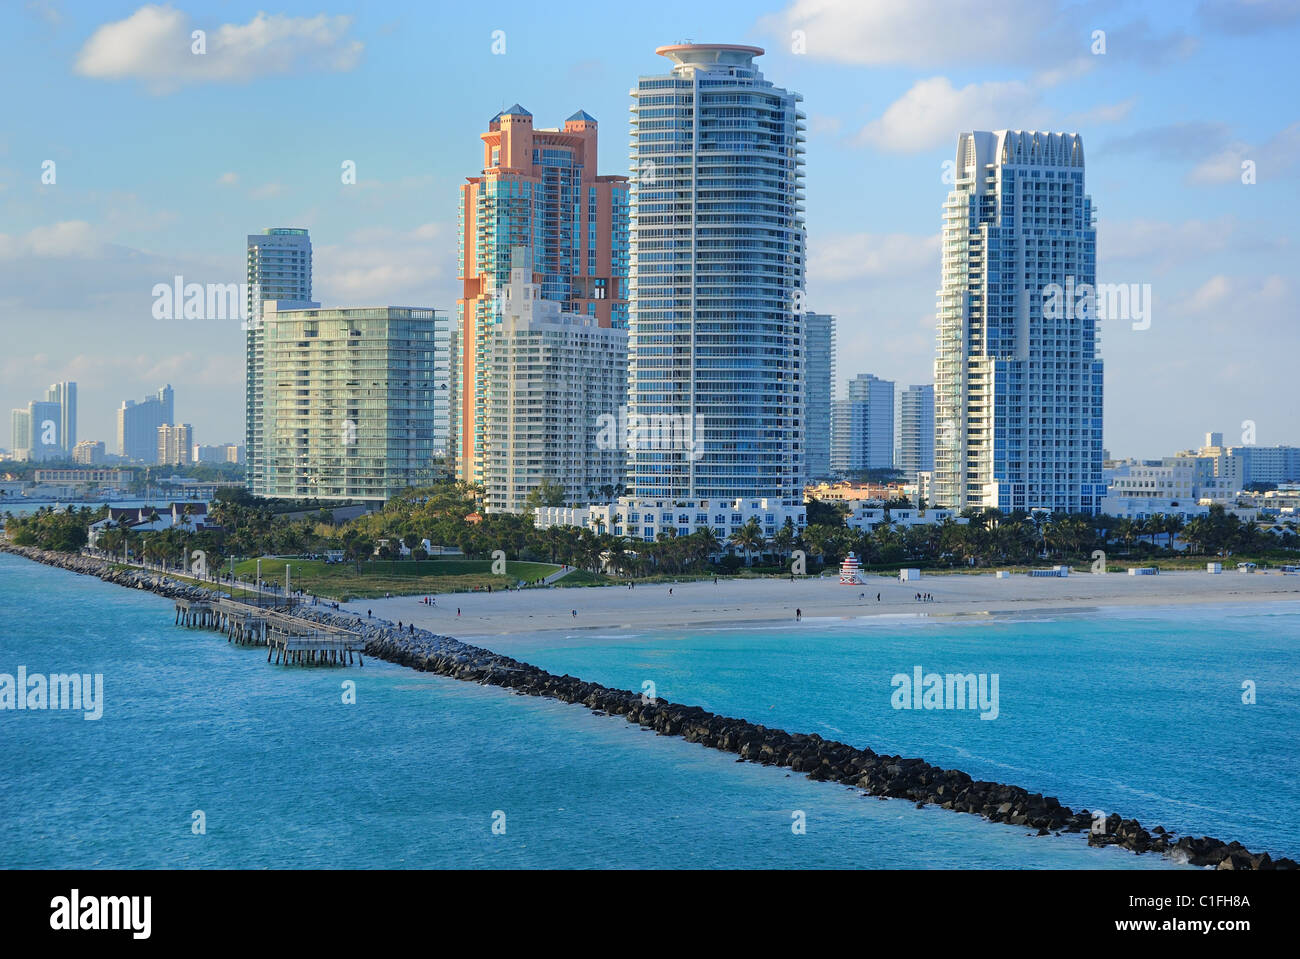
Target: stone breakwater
x,y
820,759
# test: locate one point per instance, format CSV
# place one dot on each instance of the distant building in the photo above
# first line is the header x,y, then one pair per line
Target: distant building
x,y
916,431
65,395
819,386
175,444
555,375
89,452
137,425
349,401
863,426
85,477
37,432
222,453
278,269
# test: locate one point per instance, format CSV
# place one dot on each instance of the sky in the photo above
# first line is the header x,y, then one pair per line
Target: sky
x,y
163,160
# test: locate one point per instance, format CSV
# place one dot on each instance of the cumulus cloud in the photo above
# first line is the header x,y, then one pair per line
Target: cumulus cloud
x,y
933,111
1049,35
68,239
380,266
155,45
918,33
846,256
1273,159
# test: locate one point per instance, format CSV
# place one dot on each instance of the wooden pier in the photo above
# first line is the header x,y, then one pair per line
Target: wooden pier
x,y
287,638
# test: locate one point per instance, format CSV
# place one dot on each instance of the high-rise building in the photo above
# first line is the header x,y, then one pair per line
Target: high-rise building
x,y
557,378
65,394
350,401
916,431
1018,384
278,265
175,444
717,253
538,189
137,425
819,387
21,422
89,452
863,428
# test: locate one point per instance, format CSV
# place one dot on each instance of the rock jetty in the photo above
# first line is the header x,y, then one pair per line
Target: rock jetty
x,y
893,777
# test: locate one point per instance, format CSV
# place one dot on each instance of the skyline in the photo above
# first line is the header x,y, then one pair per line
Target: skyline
x,y
144,190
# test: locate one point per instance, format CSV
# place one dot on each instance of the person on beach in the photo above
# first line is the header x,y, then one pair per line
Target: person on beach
x,y
670,590
458,611
877,597
574,612
798,615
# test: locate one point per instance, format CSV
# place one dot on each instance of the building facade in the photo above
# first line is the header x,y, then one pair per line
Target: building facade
x,y
557,378
175,444
278,267
916,431
65,395
863,427
1018,383
137,425
89,453
819,386
350,401
538,189
717,253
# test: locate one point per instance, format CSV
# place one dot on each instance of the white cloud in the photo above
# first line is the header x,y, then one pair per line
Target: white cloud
x,y
933,111
69,239
836,257
228,179
1272,159
918,32
380,266
154,45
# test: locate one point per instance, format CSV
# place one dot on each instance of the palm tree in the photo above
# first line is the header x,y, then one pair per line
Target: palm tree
x,y
749,538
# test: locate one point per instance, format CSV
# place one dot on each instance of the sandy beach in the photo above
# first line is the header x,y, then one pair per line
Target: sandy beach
x,y
735,602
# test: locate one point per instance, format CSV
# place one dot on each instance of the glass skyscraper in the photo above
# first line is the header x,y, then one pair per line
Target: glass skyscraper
x,y
278,268
1018,388
717,253
819,388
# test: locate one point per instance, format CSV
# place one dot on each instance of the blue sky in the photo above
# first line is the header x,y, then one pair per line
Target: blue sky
x,y
164,160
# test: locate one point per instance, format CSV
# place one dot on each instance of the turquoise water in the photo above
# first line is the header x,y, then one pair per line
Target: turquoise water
x,y
287,775
1138,712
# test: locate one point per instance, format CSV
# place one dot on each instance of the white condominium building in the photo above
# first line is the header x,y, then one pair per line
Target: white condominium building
x,y
717,275
916,431
559,389
1018,384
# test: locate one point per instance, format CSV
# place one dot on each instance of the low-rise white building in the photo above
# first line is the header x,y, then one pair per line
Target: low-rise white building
x,y
645,519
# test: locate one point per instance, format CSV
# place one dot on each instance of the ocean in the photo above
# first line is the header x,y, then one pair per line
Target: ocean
x,y
424,771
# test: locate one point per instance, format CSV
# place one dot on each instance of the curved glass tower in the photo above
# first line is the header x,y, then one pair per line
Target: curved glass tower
x,y
717,272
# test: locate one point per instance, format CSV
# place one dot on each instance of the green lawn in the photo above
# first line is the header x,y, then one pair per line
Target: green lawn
x,y
342,582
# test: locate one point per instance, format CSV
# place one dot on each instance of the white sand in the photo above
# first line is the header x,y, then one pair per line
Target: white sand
x,y
614,609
